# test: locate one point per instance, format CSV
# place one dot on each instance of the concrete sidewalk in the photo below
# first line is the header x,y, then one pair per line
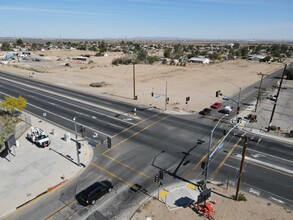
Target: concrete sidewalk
x,y
33,171
263,113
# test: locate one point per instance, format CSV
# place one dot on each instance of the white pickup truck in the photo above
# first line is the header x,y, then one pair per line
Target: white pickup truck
x,y
38,137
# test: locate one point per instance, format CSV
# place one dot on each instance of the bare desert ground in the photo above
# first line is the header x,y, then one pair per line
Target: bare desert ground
x,y
225,209
197,81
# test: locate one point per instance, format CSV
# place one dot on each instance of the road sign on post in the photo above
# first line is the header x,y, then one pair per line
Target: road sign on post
x,y
204,195
161,174
157,178
109,142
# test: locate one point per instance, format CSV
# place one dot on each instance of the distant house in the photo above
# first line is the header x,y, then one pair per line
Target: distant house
x,y
80,58
202,60
9,56
256,57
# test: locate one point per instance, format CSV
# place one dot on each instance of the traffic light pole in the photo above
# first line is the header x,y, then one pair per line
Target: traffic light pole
x,y
76,142
209,151
166,95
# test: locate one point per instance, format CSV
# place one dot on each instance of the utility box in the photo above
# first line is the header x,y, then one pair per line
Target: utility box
x,y
66,137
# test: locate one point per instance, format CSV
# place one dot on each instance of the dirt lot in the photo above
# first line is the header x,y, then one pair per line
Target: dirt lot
x,y
198,81
225,208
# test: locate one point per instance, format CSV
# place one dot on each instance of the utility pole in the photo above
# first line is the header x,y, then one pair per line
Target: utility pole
x,y
271,119
258,96
241,166
134,96
166,95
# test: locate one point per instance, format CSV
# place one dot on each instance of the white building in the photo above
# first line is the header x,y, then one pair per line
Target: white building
x,y
202,60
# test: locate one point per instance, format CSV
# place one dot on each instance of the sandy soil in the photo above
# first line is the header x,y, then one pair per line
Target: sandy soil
x,y
225,208
197,81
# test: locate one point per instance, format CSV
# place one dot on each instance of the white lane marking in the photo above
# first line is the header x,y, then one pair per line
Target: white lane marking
x,y
266,164
269,155
70,119
256,192
277,200
102,107
236,168
290,201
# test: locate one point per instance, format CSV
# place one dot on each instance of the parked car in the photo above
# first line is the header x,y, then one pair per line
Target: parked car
x,y
227,109
273,98
91,194
216,105
205,111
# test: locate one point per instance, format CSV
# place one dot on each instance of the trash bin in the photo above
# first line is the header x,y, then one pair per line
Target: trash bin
x,y
53,131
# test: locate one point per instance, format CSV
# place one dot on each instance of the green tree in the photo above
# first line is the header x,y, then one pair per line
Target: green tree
x,y
34,46
167,53
236,45
142,55
102,46
11,103
5,46
289,74
19,42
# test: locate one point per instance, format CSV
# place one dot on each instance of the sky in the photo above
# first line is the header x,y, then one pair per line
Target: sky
x,y
195,19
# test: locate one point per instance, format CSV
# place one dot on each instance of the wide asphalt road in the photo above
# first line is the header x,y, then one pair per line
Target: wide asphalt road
x,y
140,148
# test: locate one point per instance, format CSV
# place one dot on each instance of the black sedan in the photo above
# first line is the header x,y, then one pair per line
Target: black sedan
x,y
91,194
205,111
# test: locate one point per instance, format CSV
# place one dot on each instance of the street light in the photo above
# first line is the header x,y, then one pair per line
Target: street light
x,y
77,144
157,156
239,97
210,145
166,96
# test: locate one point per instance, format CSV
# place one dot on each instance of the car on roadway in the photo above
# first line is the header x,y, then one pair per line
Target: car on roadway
x,y
227,109
273,97
91,194
216,105
205,111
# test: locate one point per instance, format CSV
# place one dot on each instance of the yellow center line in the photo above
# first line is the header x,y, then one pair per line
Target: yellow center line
x,y
136,133
126,165
135,125
201,160
112,174
126,139
59,210
227,156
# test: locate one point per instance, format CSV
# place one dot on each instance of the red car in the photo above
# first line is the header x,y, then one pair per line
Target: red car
x,y
216,105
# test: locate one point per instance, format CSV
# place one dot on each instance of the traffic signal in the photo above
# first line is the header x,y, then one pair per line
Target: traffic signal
x,y
109,142
82,130
203,165
217,94
78,145
161,174
187,99
238,109
157,178
152,94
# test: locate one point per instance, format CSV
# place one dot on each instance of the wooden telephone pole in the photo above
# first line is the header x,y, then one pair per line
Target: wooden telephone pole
x,y
134,96
258,96
241,166
271,119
